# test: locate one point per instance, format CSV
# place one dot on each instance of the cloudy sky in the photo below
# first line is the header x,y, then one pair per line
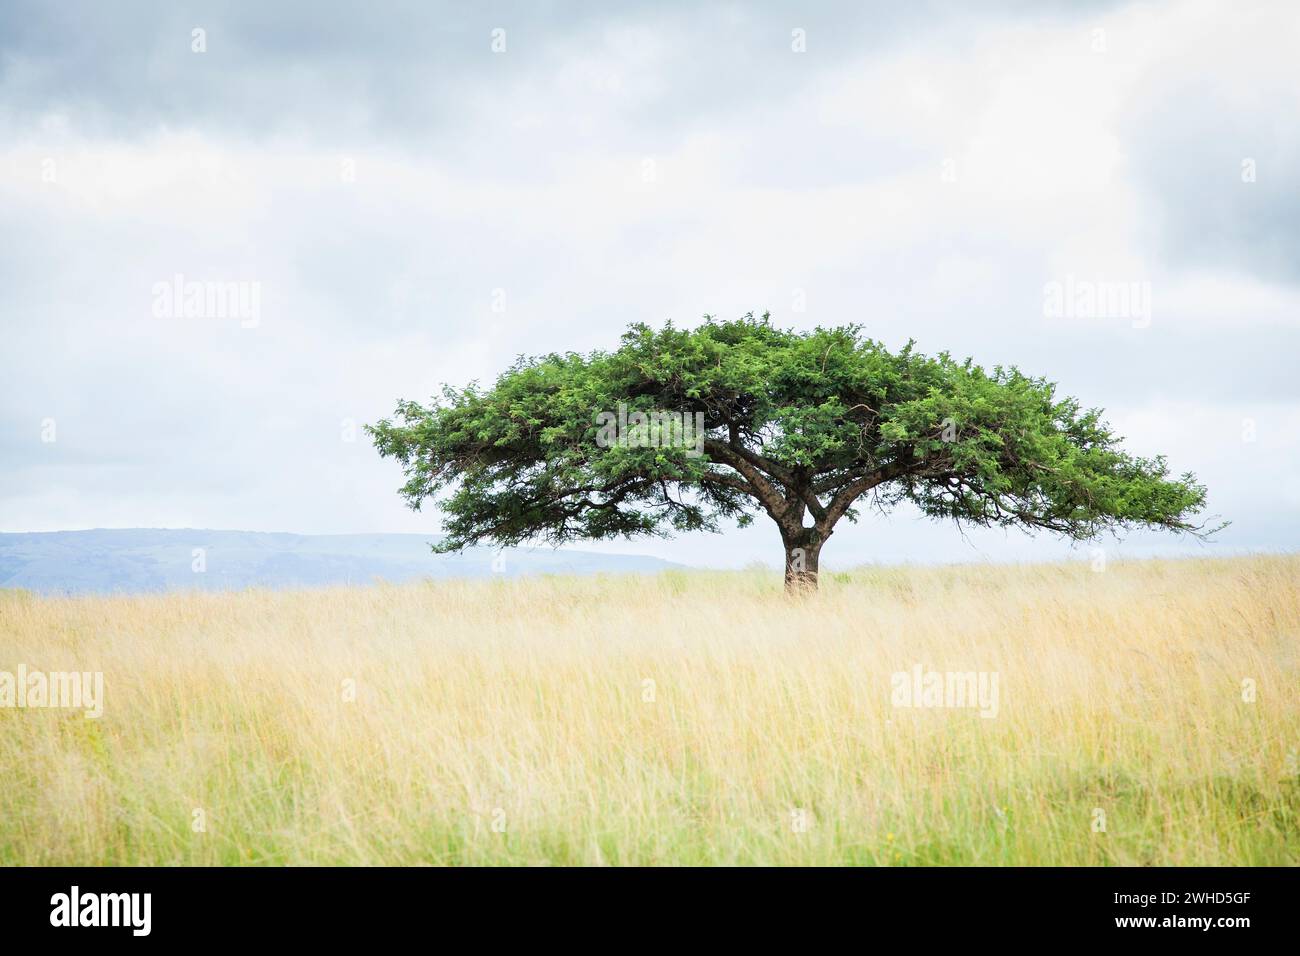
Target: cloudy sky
x,y
418,193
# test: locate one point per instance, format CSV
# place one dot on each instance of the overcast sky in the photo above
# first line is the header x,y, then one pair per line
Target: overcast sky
x,y
417,198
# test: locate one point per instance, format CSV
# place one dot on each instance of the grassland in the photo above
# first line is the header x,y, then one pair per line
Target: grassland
x,y
687,718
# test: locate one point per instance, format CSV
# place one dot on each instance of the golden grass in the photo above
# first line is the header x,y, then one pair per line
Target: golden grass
x,y
509,721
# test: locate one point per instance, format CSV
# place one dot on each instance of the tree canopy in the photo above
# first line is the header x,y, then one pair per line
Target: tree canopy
x,y
800,425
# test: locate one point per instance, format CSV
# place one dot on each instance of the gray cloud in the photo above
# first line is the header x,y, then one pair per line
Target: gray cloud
x,y
1214,147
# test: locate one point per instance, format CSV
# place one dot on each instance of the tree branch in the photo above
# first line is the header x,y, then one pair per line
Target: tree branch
x,y
775,503
849,493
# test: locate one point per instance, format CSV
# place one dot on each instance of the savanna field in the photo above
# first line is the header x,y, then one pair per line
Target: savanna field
x,y
1147,715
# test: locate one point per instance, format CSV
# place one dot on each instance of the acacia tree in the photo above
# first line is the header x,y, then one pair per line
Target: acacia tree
x,y
800,425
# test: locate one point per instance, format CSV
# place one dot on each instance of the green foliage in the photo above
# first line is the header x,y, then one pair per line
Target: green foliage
x,y
800,425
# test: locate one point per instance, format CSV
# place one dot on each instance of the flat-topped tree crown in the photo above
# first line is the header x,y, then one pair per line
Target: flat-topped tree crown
x,y
681,429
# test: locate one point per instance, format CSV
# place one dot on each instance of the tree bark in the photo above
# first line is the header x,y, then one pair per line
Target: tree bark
x,y
801,555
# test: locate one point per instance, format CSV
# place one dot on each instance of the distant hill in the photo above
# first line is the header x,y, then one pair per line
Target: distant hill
x,y
139,560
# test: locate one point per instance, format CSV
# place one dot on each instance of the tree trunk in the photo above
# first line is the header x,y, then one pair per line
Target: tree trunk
x,y
801,555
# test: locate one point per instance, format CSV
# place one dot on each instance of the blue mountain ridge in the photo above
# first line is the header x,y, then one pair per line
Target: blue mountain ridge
x,y
145,560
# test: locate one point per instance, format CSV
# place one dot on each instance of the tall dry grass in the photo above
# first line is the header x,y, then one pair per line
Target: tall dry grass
x,y
512,722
